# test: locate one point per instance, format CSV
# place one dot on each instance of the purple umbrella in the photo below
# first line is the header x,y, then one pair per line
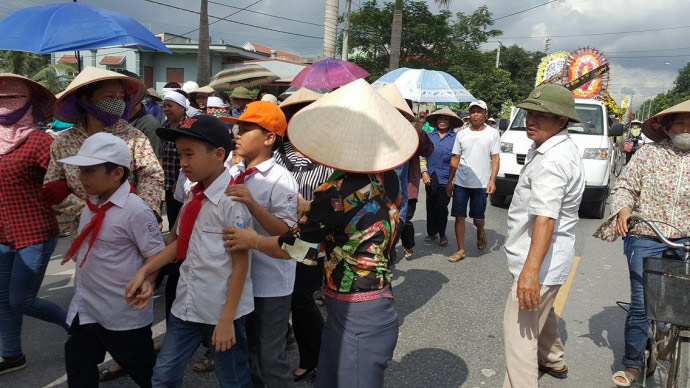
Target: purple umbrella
x,y
328,74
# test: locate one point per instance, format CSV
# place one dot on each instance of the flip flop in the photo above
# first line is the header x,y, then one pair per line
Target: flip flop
x,y
629,379
430,238
408,253
444,241
553,372
454,258
481,241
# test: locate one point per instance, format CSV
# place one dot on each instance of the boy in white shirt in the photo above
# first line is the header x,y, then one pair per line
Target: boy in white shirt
x,y
214,292
117,233
270,193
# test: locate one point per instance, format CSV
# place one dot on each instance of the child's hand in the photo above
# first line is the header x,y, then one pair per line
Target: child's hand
x,y
224,335
142,297
240,193
135,287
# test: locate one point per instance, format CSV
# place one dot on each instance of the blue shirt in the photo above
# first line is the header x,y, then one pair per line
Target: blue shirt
x,y
439,161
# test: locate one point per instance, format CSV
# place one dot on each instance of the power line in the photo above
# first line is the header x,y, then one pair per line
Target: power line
x,y
525,10
593,34
233,21
266,14
654,56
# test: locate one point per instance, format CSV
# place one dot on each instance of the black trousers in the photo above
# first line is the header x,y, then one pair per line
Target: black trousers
x,y
173,208
86,347
307,321
407,235
436,209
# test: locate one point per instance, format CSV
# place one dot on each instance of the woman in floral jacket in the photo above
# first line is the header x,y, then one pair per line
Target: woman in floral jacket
x,y
98,101
656,185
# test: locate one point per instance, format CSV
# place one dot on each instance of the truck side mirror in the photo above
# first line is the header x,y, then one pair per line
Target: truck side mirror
x,y
502,124
616,130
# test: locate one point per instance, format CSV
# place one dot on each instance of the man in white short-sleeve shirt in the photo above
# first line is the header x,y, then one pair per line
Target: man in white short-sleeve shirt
x,y
474,167
541,238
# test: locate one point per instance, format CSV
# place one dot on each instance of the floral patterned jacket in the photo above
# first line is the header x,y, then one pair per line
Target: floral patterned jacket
x,y
146,174
656,185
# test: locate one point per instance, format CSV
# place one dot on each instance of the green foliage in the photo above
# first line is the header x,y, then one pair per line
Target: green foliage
x,y
38,68
470,31
680,93
494,88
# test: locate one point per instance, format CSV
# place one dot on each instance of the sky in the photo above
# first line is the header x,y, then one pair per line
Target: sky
x,y
643,63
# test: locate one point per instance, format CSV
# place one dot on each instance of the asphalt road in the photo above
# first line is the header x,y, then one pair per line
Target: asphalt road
x,y
450,316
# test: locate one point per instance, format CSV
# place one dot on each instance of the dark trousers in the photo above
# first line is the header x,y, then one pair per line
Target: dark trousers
x,y
86,347
407,235
436,209
307,321
173,208
267,329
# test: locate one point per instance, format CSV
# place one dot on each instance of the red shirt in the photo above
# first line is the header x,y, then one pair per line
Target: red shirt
x,y
25,219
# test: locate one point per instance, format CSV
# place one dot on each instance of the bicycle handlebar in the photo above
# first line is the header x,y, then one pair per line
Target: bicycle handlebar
x,y
638,218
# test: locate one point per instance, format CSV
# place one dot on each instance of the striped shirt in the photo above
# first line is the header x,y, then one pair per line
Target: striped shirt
x,y
308,174
550,185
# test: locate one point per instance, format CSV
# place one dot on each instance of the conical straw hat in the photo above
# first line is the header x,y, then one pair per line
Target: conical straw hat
x,y
392,94
354,129
49,97
301,96
134,88
204,90
455,120
655,127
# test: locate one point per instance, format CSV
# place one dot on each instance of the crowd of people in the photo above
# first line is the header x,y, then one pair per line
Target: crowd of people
x,y
266,203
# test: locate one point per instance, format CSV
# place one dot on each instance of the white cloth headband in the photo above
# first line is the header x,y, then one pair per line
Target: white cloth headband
x,y
178,98
216,102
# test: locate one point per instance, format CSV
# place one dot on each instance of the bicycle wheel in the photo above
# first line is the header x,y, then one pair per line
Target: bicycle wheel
x,y
651,350
683,363
670,352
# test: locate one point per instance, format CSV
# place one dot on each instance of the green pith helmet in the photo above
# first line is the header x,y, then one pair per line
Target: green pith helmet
x,y
551,98
241,93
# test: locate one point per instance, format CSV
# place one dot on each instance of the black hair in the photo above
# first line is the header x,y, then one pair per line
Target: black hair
x,y
223,96
110,167
279,139
182,92
209,146
172,85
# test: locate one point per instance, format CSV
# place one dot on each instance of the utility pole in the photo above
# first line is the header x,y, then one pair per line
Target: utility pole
x,y
346,30
330,29
498,53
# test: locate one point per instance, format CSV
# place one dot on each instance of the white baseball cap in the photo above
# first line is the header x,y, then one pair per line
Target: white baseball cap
x,y
270,98
100,148
215,102
478,103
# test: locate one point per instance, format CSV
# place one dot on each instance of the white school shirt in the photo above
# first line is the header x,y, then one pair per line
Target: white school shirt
x,y
275,189
184,185
475,149
551,184
128,236
205,272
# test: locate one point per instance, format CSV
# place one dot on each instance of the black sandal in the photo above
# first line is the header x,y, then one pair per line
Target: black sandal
x,y
205,364
444,241
108,375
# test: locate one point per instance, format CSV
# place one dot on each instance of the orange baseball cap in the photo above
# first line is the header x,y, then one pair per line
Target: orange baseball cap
x,y
262,113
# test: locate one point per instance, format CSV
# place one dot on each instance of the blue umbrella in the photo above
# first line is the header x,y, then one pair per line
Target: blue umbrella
x,y
72,27
422,85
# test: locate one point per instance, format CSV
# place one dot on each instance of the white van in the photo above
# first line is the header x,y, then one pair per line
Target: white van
x,y
592,138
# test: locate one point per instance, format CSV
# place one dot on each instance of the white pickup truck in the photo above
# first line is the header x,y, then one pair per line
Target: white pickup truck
x,y
592,137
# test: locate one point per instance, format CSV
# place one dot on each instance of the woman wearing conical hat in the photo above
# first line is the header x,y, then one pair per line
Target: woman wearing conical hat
x,y
98,100
28,227
354,217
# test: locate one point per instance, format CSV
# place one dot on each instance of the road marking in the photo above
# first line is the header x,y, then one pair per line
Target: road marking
x,y
559,304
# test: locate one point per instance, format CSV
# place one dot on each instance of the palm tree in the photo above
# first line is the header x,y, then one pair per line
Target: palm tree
x,y
38,68
203,75
330,29
396,32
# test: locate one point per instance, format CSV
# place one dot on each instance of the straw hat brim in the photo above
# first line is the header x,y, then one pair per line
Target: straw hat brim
x,y
151,92
455,120
133,87
354,129
654,127
392,94
205,90
301,96
38,88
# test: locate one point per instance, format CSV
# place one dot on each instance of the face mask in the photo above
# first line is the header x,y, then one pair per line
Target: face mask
x,y
680,140
115,107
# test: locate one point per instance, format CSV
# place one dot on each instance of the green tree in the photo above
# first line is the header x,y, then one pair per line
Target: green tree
x,y
470,31
38,68
682,81
494,88
522,65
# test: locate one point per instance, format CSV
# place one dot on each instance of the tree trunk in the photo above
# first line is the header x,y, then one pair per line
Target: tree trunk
x,y
203,75
330,29
396,36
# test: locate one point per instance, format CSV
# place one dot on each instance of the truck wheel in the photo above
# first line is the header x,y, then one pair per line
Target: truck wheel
x,y
497,200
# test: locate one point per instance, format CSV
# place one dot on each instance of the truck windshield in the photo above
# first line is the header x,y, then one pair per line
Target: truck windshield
x,y
590,115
